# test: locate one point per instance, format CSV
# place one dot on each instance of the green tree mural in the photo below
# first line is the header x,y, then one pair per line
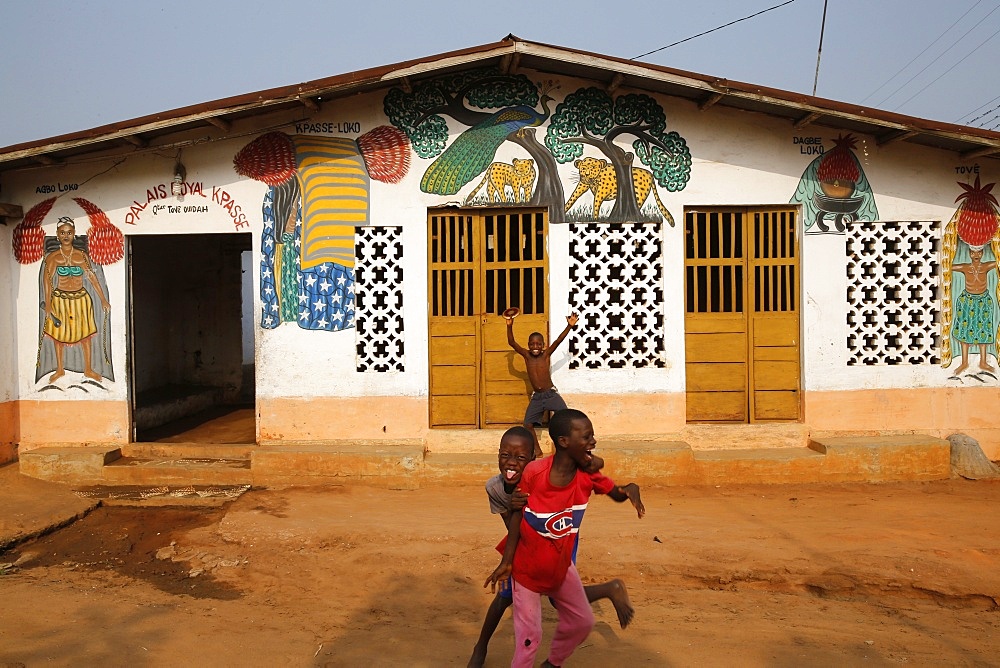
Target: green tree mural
x,y
495,107
590,116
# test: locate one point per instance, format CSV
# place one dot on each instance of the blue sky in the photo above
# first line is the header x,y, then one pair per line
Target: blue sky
x,y
70,66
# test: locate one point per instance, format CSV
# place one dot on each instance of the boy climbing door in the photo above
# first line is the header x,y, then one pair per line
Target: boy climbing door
x,y
479,264
742,314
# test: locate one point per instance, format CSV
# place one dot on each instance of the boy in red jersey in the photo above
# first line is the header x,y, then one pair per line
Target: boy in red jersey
x,y
538,550
516,451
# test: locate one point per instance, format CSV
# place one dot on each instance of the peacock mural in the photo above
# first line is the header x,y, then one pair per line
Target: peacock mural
x,y
495,108
473,150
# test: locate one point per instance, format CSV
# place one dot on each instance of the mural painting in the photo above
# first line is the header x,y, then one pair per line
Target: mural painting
x,y
591,117
318,192
971,286
495,108
519,176
834,190
510,112
74,308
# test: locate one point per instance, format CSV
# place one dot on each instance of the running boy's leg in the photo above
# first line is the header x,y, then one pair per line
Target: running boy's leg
x,y
527,626
494,614
614,591
576,619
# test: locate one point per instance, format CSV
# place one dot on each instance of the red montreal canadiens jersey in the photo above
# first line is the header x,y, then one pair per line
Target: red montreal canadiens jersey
x,y
550,524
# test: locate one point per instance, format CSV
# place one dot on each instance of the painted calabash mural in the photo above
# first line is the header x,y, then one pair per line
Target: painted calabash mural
x,y
834,190
971,286
318,191
74,322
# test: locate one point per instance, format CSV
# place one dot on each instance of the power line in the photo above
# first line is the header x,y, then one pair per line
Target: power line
x,y
726,25
956,43
950,68
985,113
922,52
819,51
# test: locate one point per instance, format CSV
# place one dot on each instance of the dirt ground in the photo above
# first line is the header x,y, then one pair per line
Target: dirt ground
x,y
357,576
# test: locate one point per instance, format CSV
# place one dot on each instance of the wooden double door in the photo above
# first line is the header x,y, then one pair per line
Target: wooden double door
x,y
480,263
742,283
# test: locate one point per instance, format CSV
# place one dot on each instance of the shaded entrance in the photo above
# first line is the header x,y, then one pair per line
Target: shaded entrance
x,y
189,337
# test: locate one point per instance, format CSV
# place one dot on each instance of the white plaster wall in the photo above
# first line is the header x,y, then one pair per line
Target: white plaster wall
x,y
738,159
8,317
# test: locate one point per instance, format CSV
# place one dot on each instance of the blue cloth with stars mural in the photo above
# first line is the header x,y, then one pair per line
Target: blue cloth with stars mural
x,y
318,298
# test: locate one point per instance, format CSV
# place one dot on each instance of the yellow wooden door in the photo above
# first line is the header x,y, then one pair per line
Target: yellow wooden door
x,y
741,321
774,315
480,264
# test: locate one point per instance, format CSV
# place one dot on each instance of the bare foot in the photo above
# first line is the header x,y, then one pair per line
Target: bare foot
x,y
962,367
90,373
56,376
623,605
985,365
478,658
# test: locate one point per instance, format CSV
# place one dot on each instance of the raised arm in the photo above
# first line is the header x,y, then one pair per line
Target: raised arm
x,y
571,321
521,350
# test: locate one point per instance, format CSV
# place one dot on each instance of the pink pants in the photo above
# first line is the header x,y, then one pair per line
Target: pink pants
x,y
576,619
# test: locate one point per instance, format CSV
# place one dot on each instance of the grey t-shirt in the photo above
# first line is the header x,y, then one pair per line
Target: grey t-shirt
x,y
499,498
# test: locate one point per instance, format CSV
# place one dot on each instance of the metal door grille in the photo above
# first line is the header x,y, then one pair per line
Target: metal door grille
x,y
774,261
453,266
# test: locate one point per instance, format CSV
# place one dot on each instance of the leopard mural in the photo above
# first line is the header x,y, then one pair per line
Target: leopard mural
x,y
599,178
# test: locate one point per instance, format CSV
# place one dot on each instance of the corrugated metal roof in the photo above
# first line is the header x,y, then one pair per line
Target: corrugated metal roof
x,y
223,118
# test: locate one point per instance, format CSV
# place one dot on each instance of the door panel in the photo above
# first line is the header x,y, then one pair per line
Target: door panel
x,y
775,405
716,377
721,406
453,346
479,265
774,315
741,325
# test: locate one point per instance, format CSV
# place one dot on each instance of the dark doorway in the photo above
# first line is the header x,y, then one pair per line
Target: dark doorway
x,y
189,333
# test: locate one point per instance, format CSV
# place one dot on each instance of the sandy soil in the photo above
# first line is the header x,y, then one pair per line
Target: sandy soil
x,y
357,576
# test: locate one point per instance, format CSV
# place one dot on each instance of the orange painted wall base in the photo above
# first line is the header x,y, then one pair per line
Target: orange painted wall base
x,y
10,431
937,412
72,422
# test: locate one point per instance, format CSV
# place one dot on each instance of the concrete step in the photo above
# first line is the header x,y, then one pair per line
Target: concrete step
x,y
760,465
408,465
188,450
745,436
478,441
396,466
883,458
72,464
126,471
459,468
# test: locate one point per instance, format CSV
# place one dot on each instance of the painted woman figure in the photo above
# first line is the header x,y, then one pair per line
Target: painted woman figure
x,y
69,288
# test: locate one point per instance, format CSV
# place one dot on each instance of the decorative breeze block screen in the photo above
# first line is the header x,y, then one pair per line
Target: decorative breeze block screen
x,y
378,270
892,292
616,286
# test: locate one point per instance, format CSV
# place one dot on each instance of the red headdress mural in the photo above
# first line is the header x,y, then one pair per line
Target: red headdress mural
x,y
969,251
